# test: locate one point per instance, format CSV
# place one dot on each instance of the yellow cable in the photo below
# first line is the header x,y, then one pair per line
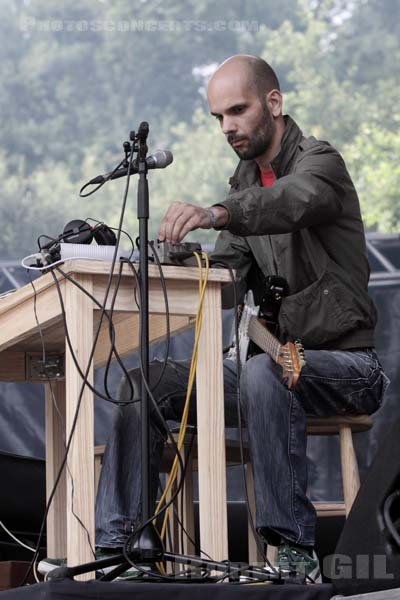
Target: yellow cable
x,y
161,568
192,373
190,382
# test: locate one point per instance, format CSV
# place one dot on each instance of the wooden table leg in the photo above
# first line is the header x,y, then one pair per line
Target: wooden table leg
x,y
55,451
211,430
80,473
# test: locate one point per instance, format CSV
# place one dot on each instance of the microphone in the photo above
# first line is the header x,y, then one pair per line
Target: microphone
x,y
159,160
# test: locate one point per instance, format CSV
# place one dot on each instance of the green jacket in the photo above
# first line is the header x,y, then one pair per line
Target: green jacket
x,y
307,228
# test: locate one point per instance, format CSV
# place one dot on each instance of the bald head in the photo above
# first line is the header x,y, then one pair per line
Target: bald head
x,y
250,71
244,96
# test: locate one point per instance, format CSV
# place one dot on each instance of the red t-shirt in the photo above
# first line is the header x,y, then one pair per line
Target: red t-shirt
x,y
267,178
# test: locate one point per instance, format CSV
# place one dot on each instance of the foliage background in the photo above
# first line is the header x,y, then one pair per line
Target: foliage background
x,y
77,76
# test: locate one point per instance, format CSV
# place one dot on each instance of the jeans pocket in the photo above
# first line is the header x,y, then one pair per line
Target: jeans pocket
x,y
369,397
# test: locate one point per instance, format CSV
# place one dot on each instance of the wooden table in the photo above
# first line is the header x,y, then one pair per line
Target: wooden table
x,y
19,336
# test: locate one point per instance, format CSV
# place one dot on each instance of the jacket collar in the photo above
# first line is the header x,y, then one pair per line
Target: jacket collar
x,y
247,172
291,139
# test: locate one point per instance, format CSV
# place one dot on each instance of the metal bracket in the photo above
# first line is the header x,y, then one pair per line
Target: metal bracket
x,y
52,368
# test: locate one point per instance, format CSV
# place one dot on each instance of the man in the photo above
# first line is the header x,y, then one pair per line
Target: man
x,y
292,211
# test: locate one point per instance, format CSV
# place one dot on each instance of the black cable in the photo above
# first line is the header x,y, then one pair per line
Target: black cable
x,y
115,229
108,287
48,237
56,407
106,179
85,379
112,330
153,401
387,505
183,529
55,485
68,339
111,335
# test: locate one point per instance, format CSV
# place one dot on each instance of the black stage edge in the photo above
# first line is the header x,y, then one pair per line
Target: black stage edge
x,y
93,590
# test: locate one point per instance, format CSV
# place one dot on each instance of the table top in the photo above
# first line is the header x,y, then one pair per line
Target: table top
x,y
96,267
20,334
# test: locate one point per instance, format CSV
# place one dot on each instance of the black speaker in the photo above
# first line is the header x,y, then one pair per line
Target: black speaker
x,y
366,558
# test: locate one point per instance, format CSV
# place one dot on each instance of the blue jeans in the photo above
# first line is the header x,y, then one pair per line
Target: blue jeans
x,y
331,383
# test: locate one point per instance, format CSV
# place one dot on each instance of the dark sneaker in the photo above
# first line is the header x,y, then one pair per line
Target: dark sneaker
x,y
295,558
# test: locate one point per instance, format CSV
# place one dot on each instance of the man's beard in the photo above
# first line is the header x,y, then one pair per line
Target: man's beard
x,y
259,140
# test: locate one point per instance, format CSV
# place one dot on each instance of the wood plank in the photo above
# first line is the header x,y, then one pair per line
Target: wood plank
x,y
350,475
19,323
103,268
12,366
211,439
182,296
127,333
330,509
55,451
169,271
13,363
331,425
80,477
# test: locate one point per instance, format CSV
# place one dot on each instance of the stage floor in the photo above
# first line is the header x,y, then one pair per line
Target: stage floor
x,y
93,590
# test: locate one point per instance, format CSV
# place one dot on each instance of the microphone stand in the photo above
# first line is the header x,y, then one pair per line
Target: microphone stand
x,y
148,537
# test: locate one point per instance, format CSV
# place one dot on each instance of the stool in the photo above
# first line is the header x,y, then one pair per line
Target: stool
x,y
344,426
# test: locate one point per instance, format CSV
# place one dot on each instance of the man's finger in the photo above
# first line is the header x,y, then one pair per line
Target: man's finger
x,y
180,219
170,216
179,225
192,223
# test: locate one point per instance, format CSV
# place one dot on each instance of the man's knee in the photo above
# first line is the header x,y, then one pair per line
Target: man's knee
x,y
261,380
258,370
129,387
130,394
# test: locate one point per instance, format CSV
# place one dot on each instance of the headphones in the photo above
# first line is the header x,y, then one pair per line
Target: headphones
x,y
77,232
81,232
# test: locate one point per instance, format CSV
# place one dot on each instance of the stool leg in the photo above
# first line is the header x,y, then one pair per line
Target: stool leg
x,y
255,555
272,554
350,474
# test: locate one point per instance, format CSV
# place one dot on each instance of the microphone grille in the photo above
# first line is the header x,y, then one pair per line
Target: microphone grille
x,y
162,158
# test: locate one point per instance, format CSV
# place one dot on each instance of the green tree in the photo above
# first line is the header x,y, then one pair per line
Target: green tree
x,y
373,159
69,96
33,204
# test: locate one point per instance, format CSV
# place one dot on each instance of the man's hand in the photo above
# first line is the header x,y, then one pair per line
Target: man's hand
x,y
182,217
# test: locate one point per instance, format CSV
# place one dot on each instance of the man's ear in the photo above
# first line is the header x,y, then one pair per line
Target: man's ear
x,y
274,103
